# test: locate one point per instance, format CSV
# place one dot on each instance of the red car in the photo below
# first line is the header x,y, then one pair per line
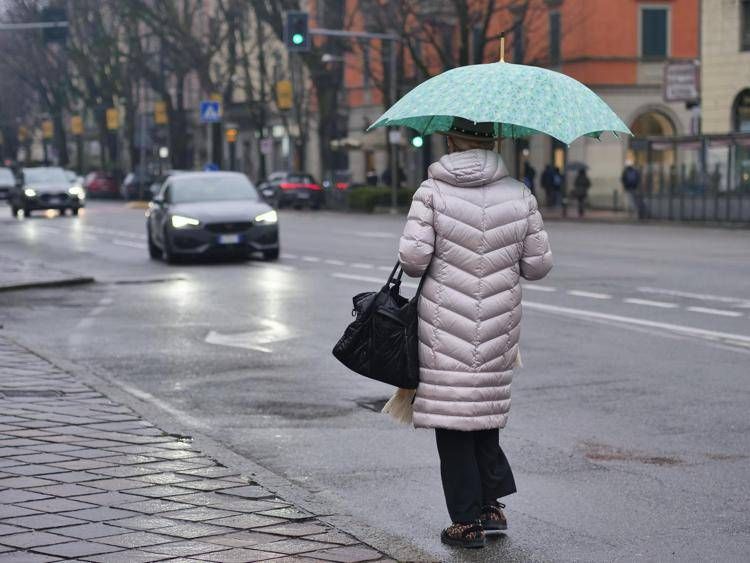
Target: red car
x,y
101,184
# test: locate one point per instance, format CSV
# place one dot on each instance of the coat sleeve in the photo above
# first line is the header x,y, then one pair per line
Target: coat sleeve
x,y
418,239
536,260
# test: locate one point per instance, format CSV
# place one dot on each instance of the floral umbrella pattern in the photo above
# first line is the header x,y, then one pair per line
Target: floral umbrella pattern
x,y
521,100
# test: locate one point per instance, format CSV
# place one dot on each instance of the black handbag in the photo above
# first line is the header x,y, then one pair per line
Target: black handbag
x,y
382,342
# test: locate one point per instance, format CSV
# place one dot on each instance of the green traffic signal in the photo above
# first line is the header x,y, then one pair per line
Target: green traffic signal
x,y
417,141
298,39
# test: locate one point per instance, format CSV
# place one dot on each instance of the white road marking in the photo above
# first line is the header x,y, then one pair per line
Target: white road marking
x,y
334,262
273,331
720,312
536,287
379,281
290,256
590,294
129,243
649,303
362,266
711,335
149,398
385,268
702,296
311,259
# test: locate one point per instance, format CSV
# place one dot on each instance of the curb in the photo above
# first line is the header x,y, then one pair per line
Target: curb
x,y
79,280
322,505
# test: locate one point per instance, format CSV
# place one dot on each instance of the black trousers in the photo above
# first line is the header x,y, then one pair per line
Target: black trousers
x,y
474,470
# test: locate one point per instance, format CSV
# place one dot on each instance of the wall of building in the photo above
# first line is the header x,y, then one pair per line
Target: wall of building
x,y
725,70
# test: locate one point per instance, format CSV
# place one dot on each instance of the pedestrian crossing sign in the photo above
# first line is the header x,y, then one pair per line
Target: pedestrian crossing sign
x,y
210,111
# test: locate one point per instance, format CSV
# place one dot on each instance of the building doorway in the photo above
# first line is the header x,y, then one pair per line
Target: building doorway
x,y
660,165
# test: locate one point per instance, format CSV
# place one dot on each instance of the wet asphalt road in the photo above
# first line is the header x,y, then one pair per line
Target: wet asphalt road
x,y
629,433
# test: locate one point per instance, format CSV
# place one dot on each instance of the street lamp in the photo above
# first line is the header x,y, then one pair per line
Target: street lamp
x,y
164,152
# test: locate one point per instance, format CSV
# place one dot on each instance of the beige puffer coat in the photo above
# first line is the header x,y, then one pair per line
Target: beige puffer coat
x,y
478,230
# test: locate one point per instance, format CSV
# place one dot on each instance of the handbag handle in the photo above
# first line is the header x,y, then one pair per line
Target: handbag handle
x,y
395,278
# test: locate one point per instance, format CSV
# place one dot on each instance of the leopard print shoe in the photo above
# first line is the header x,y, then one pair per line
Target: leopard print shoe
x,y
464,534
493,518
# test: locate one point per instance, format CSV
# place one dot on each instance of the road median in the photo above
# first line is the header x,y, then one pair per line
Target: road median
x,y
28,274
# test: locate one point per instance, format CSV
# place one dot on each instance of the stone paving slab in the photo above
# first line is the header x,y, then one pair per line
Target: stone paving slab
x,y
83,478
25,274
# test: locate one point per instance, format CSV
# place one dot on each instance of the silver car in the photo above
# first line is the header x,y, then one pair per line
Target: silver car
x,y
201,213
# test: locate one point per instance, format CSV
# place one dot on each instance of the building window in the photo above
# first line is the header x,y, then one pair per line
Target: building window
x,y
555,27
745,25
654,32
741,111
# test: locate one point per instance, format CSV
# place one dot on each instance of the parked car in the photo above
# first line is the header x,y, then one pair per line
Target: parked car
x,y
136,185
7,182
101,184
199,213
296,189
46,188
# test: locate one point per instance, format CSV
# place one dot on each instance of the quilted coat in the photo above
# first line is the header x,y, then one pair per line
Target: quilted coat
x,y
472,230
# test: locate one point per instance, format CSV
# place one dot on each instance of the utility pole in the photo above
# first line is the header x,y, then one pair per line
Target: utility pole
x,y
394,39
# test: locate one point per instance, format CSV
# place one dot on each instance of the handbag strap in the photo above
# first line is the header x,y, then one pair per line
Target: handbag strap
x,y
396,274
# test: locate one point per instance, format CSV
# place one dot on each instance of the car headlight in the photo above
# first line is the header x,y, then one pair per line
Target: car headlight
x,y
28,192
77,191
267,217
180,222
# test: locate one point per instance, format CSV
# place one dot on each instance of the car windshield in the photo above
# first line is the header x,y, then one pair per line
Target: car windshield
x,y
210,187
6,177
44,176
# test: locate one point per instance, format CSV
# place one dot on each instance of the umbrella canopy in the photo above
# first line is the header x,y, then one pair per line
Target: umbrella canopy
x,y
521,100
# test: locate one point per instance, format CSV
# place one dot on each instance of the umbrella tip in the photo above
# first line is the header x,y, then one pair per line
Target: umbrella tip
x,y
502,47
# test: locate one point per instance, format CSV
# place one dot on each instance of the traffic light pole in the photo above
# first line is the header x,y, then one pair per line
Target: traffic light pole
x,y
393,92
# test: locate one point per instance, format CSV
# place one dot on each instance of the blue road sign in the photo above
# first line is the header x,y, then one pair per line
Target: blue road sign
x,y
210,111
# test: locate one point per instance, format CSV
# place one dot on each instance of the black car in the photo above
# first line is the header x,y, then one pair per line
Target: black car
x,y
7,182
198,213
296,189
46,188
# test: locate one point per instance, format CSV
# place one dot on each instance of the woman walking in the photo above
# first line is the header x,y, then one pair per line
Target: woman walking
x,y
473,231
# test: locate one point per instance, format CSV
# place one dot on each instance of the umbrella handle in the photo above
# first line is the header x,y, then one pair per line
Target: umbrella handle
x,y
502,47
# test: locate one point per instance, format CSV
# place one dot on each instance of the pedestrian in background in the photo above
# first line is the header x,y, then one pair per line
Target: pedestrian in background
x,y
558,182
631,182
581,187
473,231
548,184
529,173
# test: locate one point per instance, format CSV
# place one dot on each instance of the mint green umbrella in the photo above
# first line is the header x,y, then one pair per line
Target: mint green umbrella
x,y
521,100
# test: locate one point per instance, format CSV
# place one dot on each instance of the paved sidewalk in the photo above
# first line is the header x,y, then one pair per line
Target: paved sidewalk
x,y
23,274
83,478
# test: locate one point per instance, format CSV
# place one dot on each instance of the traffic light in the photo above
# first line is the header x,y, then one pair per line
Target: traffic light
x,y
231,135
296,32
417,141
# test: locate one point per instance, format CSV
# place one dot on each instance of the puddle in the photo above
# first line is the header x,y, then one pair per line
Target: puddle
x,y
603,452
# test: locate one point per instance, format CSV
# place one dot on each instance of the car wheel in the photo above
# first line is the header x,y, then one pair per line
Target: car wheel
x,y
74,211
271,254
153,251
14,211
26,212
63,211
169,256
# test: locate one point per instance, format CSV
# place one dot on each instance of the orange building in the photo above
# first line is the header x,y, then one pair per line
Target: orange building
x,y
619,48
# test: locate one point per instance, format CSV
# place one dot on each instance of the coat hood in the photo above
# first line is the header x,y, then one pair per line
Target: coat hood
x,y
472,168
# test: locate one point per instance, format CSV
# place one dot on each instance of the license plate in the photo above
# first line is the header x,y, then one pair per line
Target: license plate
x,y
54,200
303,195
229,239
